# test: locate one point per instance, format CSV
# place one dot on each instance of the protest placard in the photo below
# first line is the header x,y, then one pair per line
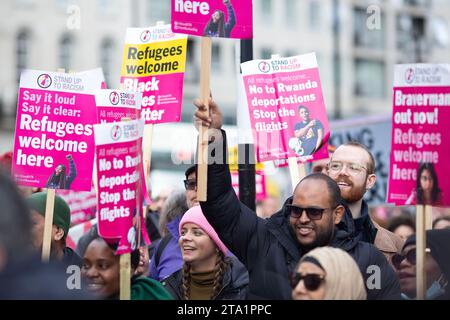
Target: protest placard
x,y
115,105
54,129
82,204
286,107
119,198
213,18
154,61
419,155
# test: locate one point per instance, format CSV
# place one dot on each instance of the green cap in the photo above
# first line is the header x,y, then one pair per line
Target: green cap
x,y
61,213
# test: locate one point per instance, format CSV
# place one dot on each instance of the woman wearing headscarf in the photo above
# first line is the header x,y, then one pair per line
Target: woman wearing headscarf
x,y
327,273
207,272
437,266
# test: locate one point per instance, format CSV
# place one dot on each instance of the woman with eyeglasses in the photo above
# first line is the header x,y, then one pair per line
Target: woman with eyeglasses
x,y
327,273
437,266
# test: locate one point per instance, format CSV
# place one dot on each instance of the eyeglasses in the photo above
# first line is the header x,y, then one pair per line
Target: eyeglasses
x,y
311,281
312,213
353,168
190,184
410,256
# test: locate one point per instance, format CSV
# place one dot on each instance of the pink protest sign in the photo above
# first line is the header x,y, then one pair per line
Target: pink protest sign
x,y
154,61
420,121
54,138
260,184
286,107
119,200
213,18
82,204
115,105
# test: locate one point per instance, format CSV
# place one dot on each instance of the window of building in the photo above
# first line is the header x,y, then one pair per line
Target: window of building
x,y
64,4
66,49
365,37
370,78
192,70
106,60
215,57
266,11
419,3
25,4
291,12
411,37
266,53
158,10
22,51
107,7
314,15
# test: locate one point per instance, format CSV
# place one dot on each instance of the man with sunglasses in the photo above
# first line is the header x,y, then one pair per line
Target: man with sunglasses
x,y
352,166
271,248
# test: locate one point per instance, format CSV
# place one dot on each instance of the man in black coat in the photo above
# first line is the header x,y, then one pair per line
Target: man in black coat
x,y
271,248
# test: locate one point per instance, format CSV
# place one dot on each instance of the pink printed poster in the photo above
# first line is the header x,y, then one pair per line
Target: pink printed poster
x,y
286,107
54,138
153,64
420,122
119,196
116,105
82,204
213,18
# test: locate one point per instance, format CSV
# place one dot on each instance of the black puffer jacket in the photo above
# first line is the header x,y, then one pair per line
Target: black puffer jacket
x,y
235,283
268,249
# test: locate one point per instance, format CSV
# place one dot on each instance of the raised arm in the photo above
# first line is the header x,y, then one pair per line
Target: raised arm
x,y
231,22
73,171
237,225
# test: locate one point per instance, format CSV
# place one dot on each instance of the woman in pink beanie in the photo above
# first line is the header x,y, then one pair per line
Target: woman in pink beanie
x,y
207,272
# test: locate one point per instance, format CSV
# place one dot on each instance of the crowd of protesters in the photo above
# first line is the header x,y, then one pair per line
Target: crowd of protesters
x,y
319,243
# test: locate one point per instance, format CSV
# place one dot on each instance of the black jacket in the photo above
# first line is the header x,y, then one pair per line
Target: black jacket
x,y
71,258
268,249
235,283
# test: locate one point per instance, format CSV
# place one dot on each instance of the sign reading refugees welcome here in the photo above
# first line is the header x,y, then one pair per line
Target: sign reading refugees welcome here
x,y
54,138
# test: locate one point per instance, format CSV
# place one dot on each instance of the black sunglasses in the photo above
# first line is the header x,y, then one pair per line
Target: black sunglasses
x,y
410,256
312,213
190,184
311,281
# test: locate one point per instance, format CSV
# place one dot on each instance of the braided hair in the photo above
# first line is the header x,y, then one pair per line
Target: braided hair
x,y
222,264
219,271
186,284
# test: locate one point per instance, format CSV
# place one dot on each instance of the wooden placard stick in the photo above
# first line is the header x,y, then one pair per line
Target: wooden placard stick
x,y
48,222
202,156
125,267
48,225
421,276
125,276
297,171
428,217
